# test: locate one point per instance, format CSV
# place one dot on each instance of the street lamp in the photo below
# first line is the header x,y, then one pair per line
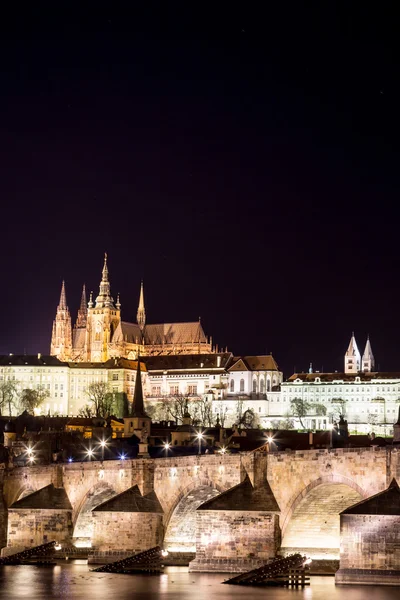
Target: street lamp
x,y
103,445
167,446
90,453
122,456
223,450
199,437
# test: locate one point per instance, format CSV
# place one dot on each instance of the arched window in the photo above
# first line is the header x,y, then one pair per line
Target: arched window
x,y
242,385
232,385
262,386
268,385
254,386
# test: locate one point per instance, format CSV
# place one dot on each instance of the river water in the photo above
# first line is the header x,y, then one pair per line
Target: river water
x,y
74,580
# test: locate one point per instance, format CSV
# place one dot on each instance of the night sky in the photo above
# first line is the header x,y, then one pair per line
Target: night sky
x,y
244,164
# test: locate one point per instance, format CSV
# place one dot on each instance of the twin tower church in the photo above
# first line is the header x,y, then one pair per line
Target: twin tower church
x,y
100,334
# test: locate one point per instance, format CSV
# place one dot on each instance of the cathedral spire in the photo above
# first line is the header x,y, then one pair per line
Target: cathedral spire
x,y
352,358
105,269
62,305
368,361
82,312
61,339
104,298
141,313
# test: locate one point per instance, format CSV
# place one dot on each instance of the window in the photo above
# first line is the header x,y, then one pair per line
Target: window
x,y
232,388
115,376
192,389
241,385
262,386
174,390
268,385
254,386
156,390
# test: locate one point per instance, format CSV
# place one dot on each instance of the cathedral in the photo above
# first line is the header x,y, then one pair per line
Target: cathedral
x,y
100,334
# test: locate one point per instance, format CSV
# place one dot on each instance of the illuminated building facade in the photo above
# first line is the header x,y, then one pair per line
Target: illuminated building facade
x,y
67,382
368,399
100,333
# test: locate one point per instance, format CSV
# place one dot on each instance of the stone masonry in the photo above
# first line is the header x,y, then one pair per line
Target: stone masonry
x,y
293,477
370,540
135,522
41,517
238,530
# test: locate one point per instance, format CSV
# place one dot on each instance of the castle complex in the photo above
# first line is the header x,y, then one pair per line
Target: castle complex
x,y
100,333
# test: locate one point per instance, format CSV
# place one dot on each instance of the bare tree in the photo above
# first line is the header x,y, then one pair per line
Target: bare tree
x,y
239,410
8,395
300,409
33,398
203,411
176,406
86,411
100,399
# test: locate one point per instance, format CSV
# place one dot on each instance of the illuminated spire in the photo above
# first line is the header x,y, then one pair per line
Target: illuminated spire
x,y
82,312
352,359
61,339
368,361
62,305
104,298
141,313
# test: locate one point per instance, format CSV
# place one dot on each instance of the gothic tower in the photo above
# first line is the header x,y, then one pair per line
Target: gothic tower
x,y
61,339
141,313
368,361
102,320
82,311
352,358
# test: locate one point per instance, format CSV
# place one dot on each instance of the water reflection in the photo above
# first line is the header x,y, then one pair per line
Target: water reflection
x,y
75,581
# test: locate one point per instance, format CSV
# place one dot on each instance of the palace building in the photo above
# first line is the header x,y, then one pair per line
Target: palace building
x,y
367,398
100,333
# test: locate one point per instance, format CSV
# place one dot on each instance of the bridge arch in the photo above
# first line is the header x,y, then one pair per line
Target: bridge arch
x,y
82,521
180,522
21,492
312,523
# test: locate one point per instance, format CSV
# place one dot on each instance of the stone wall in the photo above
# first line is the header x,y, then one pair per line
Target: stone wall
x,y
314,527
234,541
120,534
292,475
31,527
369,549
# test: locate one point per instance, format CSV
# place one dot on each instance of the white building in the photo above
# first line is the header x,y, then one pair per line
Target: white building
x,y
235,384
369,400
66,383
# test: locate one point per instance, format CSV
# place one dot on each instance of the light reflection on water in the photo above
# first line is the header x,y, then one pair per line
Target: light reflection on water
x,y
74,580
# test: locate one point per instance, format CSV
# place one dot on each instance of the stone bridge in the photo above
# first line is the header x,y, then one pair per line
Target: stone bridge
x,y
310,487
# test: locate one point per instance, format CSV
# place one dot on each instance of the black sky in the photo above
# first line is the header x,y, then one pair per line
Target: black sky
x,y
244,164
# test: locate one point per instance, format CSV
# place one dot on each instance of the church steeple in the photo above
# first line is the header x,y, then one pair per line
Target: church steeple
x,y
61,339
141,313
352,358
82,312
368,361
138,404
104,298
62,305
